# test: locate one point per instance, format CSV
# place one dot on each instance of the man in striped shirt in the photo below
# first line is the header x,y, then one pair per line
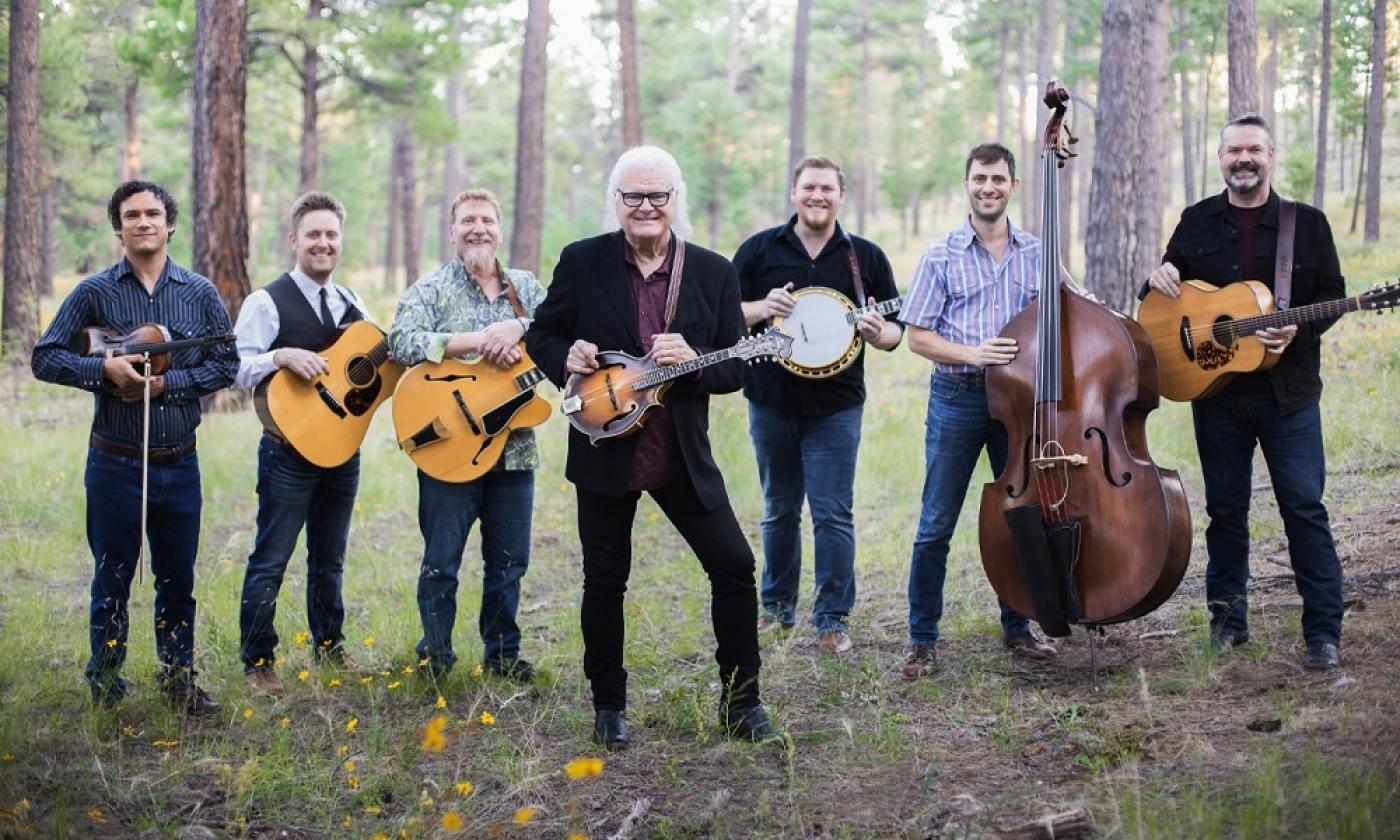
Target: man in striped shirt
x,y
145,287
969,284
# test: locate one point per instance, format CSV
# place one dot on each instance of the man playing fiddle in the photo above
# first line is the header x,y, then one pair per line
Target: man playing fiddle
x,y
281,326
1224,239
145,286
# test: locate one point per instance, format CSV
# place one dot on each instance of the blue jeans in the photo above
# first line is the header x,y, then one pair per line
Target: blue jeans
x,y
1228,426
113,484
502,501
815,457
956,430
292,493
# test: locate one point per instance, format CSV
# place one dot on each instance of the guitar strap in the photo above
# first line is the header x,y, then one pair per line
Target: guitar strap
x,y
673,292
510,291
1283,257
855,273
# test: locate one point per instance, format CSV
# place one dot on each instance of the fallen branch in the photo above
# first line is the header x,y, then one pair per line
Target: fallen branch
x,y
633,820
1061,826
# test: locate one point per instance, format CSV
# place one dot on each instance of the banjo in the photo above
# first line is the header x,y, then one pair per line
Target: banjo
x,y
825,338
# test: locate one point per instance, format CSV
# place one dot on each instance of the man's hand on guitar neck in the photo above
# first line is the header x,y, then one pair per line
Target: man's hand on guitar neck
x,y
304,363
1277,339
1165,279
671,349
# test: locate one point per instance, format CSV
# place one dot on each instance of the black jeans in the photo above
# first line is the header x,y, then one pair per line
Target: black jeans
x,y
605,531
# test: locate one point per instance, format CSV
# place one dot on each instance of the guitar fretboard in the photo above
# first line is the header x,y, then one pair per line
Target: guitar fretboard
x,y
881,308
1300,315
666,374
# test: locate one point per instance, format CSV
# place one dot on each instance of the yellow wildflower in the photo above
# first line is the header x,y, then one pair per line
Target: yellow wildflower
x,y
165,743
367,679
247,712
441,702
393,685
342,750
433,738
335,681
347,822
303,637
111,643
487,719
97,815
577,835
354,783
408,669
352,724
452,821
476,672
524,815
350,765
584,767
7,757
373,810
284,722
304,674
379,835
368,642
464,788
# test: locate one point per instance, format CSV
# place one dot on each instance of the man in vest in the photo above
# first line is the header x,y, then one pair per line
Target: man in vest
x,y
282,326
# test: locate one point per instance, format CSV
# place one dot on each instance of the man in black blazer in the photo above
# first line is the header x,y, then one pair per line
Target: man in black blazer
x,y
610,292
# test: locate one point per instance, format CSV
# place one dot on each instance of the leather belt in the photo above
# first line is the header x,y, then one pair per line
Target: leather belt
x,y
158,454
977,379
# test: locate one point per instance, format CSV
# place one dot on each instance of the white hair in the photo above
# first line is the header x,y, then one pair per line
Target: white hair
x,y
657,159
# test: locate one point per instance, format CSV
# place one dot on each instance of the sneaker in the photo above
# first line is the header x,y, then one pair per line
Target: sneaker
x,y
834,642
1028,645
747,723
516,670
263,682
920,661
1321,656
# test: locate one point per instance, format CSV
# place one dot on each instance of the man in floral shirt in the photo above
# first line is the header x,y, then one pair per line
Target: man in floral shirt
x,y
473,308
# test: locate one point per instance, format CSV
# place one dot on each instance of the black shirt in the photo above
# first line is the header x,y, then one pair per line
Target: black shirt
x,y
1206,246
775,257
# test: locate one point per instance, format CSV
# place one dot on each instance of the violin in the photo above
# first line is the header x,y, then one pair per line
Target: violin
x,y
1081,527
148,339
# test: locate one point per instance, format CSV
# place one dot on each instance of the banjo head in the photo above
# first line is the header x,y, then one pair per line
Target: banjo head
x,y
824,340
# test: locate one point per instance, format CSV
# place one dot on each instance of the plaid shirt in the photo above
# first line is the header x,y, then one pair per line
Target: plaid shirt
x,y
449,301
962,294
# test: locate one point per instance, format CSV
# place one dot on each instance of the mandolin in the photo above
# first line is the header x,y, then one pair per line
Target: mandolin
x,y
1206,336
453,418
325,419
613,400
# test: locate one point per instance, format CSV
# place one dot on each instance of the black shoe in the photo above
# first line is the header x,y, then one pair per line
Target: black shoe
x,y
106,694
610,729
191,700
335,657
747,723
1321,656
1222,640
516,670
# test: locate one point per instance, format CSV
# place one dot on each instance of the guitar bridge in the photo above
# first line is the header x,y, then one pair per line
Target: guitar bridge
x,y
434,432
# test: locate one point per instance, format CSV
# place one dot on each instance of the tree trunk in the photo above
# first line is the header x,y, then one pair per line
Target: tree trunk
x,y
220,209
864,188
1123,238
45,287
1375,122
736,45
797,98
1270,80
1003,42
392,232
408,201
1044,56
453,176
1066,208
19,324
1027,102
1188,150
1204,145
1244,87
529,150
631,97
1361,164
310,106
131,147
1324,103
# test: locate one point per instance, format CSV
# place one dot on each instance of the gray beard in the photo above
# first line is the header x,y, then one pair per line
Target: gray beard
x,y
479,264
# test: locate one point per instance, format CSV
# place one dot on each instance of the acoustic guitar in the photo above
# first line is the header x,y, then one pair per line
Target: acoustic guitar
x,y
1206,336
825,338
453,417
613,400
325,419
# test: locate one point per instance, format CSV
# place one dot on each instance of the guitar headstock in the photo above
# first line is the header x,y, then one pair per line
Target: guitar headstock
x,y
771,343
1382,298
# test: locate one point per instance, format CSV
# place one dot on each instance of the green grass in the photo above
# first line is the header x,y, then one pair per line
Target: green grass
x,y
868,753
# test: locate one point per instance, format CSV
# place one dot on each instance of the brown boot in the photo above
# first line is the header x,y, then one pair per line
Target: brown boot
x,y
1028,645
920,661
263,682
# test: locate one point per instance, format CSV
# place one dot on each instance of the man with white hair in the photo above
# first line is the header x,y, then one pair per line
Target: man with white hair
x,y
473,307
640,288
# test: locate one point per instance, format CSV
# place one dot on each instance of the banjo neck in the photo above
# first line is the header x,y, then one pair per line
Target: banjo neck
x,y
882,308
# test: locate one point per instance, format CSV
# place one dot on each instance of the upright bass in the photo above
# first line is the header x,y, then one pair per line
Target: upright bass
x,y
1081,527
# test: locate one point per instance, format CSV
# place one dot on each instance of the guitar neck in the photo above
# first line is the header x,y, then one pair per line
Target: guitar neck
x,y
156,347
1298,315
669,372
379,353
882,308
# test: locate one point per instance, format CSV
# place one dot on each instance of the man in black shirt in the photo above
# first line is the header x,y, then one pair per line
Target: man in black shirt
x,y
806,431
1226,239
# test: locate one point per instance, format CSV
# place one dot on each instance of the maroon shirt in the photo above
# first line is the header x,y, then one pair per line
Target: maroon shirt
x,y
658,461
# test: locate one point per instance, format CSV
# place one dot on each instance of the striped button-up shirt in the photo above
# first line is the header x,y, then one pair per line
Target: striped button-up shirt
x,y
964,295
450,301
184,302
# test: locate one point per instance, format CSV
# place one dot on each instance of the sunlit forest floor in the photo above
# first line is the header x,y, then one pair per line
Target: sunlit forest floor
x,y
1175,742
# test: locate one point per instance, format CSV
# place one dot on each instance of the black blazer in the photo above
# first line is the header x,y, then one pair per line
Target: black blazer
x,y
590,298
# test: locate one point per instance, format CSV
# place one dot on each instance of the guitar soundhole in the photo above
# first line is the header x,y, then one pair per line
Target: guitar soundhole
x,y
361,372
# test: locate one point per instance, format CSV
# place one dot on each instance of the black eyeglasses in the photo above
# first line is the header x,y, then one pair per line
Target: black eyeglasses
x,y
634,199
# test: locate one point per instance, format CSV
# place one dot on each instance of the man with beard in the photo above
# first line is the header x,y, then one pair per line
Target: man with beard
x,y
146,286
282,326
471,308
1224,239
968,285
806,431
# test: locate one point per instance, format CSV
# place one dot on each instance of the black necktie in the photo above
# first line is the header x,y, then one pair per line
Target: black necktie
x,y
326,317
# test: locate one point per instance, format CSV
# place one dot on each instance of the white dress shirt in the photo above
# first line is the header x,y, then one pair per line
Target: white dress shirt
x,y
258,324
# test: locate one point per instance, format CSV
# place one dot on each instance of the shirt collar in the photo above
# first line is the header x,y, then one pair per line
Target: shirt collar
x,y
962,238
460,266
167,272
664,269
1220,205
310,288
